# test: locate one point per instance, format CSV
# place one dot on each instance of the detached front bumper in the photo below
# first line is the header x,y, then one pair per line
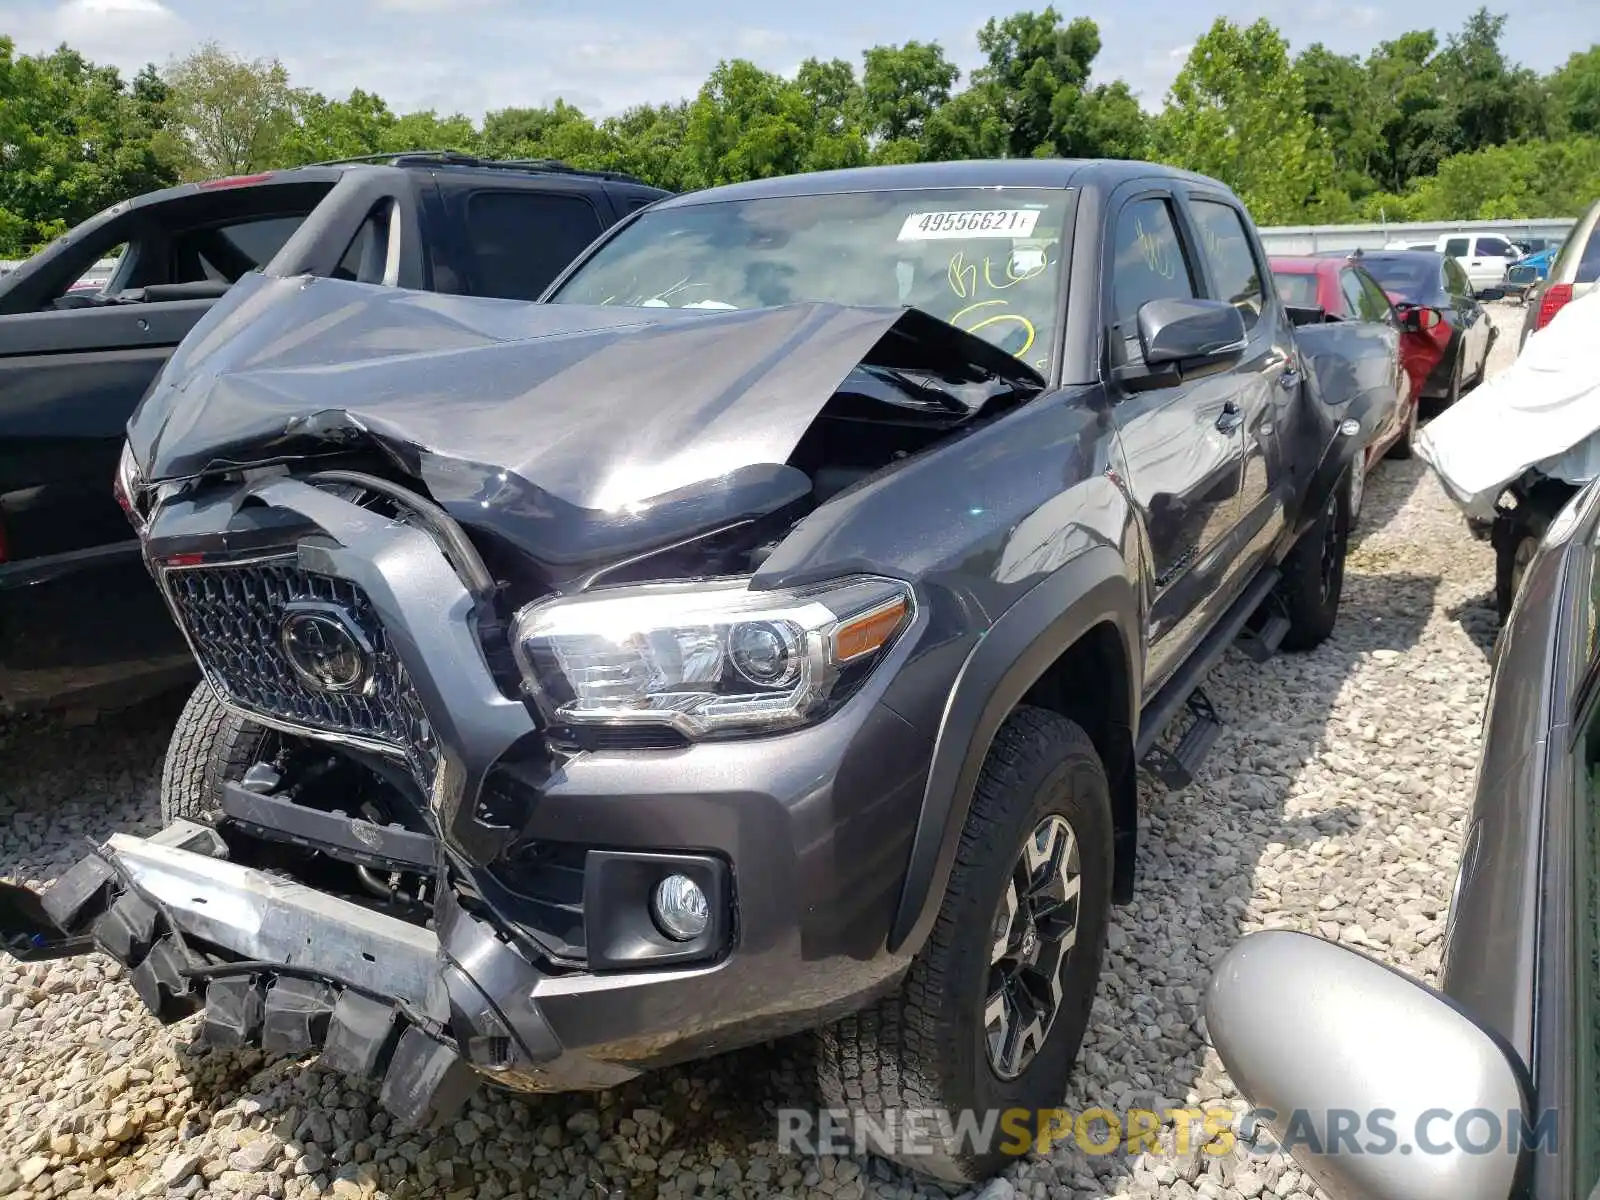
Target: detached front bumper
x,y
274,963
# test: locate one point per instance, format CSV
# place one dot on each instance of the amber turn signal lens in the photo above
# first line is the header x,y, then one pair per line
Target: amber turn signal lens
x,y
864,634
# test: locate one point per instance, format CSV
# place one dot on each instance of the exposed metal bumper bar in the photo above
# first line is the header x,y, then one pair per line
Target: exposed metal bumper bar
x,y
260,916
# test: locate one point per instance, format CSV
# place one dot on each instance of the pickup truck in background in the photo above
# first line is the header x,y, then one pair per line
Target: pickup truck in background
x,y
80,622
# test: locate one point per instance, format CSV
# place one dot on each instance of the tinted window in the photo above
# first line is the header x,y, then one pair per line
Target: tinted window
x,y
225,252
1412,279
1148,263
1456,246
1350,289
1233,263
1589,265
1298,289
985,261
520,241
1493,247
1375,305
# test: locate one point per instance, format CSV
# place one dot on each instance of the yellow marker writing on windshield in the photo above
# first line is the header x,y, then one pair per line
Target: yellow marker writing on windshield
x,y
996,319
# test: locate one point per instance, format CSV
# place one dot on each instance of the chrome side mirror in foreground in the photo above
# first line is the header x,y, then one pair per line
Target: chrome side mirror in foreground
x,y
1322,1039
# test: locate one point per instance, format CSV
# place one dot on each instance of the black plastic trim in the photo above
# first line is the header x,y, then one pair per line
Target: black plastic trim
x,y
279,819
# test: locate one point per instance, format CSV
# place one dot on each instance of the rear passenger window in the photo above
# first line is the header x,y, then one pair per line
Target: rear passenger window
x,y
520,241
1148,264
1227,249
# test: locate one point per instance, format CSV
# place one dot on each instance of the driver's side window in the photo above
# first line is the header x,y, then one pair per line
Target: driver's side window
x,y
1147,263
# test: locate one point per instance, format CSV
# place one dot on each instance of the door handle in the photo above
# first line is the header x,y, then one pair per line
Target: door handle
x,y
1231,418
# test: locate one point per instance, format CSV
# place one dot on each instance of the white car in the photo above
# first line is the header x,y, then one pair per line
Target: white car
x,y
1484,256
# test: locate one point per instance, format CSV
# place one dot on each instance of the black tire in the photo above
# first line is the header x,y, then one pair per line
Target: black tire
x,y
925,1047
1404,445
1514,545
1313,573
210,745
1453,392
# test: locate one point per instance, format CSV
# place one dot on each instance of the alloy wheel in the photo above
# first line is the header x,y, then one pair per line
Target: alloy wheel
x,y
1034,931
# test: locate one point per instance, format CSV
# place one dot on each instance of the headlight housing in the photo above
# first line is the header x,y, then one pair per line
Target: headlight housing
x,y
708,658
126,485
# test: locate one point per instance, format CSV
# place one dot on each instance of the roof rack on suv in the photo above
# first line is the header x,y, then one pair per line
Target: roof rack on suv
x,y
455,158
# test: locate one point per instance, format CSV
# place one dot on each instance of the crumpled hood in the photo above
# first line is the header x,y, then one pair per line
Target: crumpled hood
x,y
575,432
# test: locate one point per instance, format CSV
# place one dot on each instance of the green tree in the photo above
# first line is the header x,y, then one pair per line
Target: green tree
x,y
1575,92
1417,125
74,139
1494,101
651,140
327,129
1341,100
1031,59
230,115
560,131
747,123
427,130
902,87
1237,112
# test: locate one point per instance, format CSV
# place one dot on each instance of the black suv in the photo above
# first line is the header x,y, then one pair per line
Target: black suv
x,y
757,636
79,622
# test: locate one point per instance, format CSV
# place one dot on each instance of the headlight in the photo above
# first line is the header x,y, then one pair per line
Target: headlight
x,y
706,658
126,485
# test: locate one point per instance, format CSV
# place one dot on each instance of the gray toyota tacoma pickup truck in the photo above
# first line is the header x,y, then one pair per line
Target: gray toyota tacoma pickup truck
x,y
757,635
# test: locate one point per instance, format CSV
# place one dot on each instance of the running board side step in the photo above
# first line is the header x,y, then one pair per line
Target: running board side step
x,y
1258,645
1176,768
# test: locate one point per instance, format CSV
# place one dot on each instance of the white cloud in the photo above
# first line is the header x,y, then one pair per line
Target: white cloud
x,y
125,32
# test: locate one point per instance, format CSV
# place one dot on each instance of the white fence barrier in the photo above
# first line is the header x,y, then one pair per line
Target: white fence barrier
x,y
1311,239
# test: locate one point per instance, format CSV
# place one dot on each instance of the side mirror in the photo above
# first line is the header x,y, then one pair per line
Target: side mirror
x,y
1522,276
1182,338
1182,331
1326,1039
1417,318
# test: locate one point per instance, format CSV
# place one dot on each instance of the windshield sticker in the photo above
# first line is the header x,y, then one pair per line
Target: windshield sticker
x,y
974,223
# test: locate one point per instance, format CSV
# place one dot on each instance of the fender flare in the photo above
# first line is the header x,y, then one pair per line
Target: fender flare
x,y
1008,660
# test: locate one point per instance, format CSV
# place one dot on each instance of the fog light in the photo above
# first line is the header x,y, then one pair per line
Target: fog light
x,y
680,908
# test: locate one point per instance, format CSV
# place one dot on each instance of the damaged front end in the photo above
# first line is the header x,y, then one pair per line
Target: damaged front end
x,y
444,553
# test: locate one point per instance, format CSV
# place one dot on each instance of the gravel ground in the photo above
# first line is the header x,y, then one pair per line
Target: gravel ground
x,y
1333,803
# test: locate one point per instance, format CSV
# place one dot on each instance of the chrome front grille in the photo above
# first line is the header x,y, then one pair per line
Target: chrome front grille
x,y
234,614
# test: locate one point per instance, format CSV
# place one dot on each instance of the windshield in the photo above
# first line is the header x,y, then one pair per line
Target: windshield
x,y
1297,288
1412,279
985,260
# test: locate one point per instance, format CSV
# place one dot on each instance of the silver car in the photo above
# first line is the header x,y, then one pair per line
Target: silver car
x,y
1489,1088
1573,273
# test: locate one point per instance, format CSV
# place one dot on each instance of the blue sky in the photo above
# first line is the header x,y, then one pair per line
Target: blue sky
x,y
472,55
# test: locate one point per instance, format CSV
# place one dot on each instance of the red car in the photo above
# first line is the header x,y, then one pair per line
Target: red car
x,y
1335,300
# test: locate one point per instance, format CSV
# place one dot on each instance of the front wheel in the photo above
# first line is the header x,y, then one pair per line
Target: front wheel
x,y
1313,573
211,746
994,1007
